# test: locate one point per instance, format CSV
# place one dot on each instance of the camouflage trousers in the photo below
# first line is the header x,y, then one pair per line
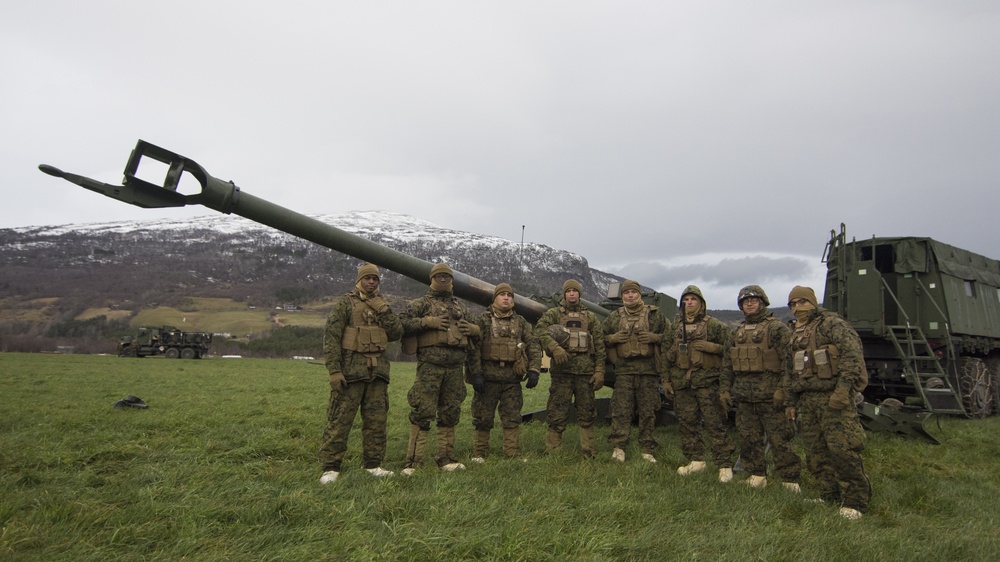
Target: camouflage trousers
x,y
833,441
758,424
700,411
373,400
634,396
438,391
505,396
562,392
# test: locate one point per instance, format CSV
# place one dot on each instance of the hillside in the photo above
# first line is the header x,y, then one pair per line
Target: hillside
x,y
60,280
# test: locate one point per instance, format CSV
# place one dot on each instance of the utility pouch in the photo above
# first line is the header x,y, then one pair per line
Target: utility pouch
x,y
800,364
824,363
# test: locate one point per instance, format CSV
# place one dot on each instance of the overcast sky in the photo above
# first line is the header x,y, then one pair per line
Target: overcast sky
x,y
715,143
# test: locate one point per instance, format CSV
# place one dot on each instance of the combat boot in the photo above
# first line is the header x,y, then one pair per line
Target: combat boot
x,y
792,487
757,481
691,468
511,442
329,477
415,449
552,440
850,513
480,445
588,442
725,475
445,446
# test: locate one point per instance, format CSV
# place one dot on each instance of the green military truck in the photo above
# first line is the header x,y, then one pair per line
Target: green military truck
x,y
929,317
166,341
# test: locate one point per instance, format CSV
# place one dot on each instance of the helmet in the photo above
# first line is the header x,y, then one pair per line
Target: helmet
x,y
559,334
752,291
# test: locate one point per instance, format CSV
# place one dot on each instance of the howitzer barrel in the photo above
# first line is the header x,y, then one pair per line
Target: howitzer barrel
x,y
226,197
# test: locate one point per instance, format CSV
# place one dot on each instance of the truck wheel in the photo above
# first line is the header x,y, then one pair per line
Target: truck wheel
x,y
993,364
172,353
187,353
974,387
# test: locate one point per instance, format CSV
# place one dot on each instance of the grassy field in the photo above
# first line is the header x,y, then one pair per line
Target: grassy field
x,y
222,466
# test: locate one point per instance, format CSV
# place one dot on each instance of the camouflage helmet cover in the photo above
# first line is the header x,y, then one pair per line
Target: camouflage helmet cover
x,y
752,291
559,333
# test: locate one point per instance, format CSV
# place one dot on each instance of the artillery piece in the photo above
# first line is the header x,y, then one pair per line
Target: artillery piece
x,y
227,198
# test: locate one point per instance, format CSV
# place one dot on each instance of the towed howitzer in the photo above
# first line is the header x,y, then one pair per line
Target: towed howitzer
x,y
227,198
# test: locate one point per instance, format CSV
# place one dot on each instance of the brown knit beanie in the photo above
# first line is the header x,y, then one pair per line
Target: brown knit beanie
x,y
572,284
441,268
800,292
368,269
631,285
502,288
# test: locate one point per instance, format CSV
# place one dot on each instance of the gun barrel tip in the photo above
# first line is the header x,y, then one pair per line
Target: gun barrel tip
x,y
51,170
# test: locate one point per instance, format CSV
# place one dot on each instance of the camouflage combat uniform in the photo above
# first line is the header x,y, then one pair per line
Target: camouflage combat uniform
x,y
367,372
504,337
833,438
694,376
637,372
754,369
439,388
570,382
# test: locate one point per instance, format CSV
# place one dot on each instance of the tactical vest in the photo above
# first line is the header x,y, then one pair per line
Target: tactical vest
x,y
363,334
577,324
501,340
753,352
450,337
632,324
808,360
687,357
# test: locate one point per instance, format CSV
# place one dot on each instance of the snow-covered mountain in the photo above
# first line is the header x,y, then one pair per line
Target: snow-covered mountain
x,y
136,263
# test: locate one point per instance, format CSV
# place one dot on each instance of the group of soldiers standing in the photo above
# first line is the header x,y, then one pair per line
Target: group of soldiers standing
x,y
774,375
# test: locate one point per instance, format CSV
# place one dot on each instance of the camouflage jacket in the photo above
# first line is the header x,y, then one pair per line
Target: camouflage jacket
x,y
354,365
579,363
440,354
638,365
517,328
757,386
831,329
699,377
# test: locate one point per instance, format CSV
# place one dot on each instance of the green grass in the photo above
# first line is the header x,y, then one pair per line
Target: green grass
x,y
222,466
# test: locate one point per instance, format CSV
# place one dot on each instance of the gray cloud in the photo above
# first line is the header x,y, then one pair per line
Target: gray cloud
x,y
626,132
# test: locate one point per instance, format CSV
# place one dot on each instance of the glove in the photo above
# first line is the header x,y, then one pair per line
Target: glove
x,y
597,381
434,323
478,383
337,381
532,379
779,399
559,355
707,347
790,414
841,398
615,338
378,304
468,329
651,338
726,399
666,387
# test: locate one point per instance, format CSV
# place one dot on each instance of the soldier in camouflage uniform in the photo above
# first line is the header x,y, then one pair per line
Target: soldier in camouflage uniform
x,y
446,343
577,368
754,369
695,360
509,352
633,335
826,371
358,330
